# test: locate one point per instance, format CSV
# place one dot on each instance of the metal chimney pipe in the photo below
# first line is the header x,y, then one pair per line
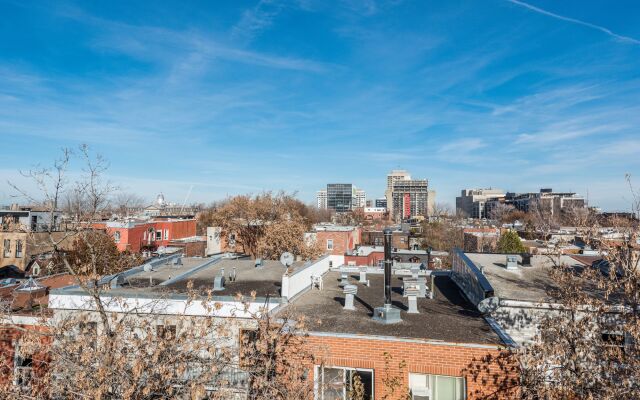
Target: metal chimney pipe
x,y
388,262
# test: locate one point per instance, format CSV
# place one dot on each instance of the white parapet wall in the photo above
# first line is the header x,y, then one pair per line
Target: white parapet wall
x,y
300,280
167,306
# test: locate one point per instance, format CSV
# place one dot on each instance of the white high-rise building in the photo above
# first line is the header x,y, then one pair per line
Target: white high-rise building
x,y
394,176
361,198
321,197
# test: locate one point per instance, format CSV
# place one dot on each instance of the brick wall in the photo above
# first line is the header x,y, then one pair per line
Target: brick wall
x,y
419,357
343,241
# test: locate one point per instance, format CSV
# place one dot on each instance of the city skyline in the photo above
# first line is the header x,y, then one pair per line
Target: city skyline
x,y
252,96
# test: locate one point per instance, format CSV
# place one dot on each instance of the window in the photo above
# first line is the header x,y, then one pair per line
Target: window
x,y
34,222
166,234
167,332
18,248
336,383
144,235
378,241
159,235
613,339
22,367
7,247
329,244
436,387
116,236
90,331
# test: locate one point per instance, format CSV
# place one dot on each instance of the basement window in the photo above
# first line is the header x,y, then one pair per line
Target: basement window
x,y
338,383
436,387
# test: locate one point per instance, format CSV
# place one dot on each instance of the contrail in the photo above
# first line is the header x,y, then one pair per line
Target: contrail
x,y
575,21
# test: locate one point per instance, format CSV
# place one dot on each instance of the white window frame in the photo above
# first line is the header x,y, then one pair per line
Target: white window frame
x,y
432,390
319,377
155,236
166,234
117,236
329,244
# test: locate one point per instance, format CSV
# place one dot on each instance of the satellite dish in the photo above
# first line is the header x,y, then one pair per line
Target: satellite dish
x,y
286,259
148,268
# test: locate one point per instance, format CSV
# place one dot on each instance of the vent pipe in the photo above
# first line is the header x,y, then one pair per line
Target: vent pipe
x,y
387,314
388,262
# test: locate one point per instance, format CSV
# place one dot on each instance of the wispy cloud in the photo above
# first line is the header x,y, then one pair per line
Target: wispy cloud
x,y
562,132
462,146
257,19
576,21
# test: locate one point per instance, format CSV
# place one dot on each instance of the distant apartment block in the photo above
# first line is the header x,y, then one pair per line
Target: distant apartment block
x,y
321,199
473,202
381,202
341,197
410,198
361,198
546,199
394,176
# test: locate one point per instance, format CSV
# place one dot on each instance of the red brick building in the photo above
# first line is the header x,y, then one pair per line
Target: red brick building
x,y
26,299
136,236
428,352
337,240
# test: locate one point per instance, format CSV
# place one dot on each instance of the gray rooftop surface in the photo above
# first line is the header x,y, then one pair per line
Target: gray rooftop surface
x,y
265,280
448,317
526,283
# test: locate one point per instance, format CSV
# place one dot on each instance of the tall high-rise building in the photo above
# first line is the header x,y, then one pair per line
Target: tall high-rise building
x,y
393,177
341,197
321,198
410,198
361,198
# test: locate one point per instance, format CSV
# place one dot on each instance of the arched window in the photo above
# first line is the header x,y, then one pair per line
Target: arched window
x,y
116,236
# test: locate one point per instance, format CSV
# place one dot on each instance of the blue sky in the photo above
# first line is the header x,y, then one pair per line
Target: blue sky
x,y
243,96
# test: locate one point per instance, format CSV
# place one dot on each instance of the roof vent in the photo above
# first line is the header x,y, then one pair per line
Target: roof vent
x,y
363,277
344,279
350,292
512,262
411,292
218,283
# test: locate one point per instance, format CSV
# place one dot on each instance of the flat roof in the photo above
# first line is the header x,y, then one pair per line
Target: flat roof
x,y
201,272
448,317
527,282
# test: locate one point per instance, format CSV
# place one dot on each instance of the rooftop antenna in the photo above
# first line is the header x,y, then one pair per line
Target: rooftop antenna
x,y
186,198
